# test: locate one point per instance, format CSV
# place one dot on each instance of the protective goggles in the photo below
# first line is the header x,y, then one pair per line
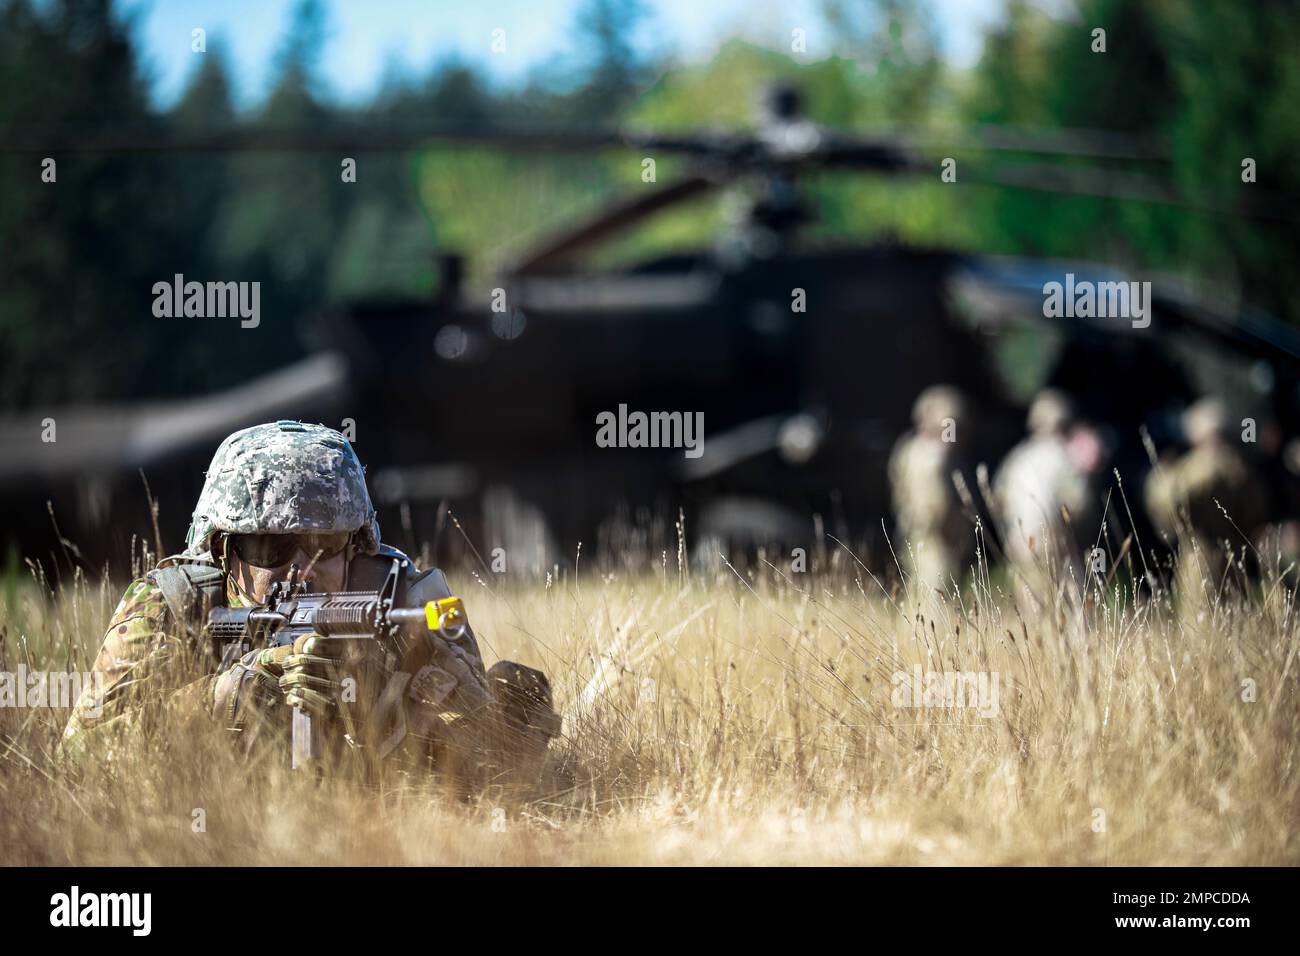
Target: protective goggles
x,y
275,550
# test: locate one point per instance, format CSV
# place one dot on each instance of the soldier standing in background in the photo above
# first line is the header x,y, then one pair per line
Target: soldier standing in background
x,y
1046,479
1286,542
1187,500
936,539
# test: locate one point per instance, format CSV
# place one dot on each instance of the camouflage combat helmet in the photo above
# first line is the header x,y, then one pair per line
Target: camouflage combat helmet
x,y
284,477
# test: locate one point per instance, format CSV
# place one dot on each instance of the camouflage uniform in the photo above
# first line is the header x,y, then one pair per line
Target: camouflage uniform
x,y
287,477
1041,481
936,540
143,666
1212,473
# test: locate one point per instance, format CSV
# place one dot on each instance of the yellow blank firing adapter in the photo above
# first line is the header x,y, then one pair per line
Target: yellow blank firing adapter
x,y
447,617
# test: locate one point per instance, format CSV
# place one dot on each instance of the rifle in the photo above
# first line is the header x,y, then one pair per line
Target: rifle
x,y
382,621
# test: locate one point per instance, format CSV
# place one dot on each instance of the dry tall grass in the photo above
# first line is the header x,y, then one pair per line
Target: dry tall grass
x,y
719,717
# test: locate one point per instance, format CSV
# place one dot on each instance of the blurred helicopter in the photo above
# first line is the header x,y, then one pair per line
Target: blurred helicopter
x,y
489,415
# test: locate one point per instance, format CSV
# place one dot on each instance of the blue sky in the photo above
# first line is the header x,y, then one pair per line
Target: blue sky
x,y
369,38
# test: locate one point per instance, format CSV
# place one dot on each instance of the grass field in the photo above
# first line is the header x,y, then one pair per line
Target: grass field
x,y
754,718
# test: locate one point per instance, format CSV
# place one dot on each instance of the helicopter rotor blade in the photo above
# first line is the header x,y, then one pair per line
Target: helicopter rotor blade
x,y
397,135
1102,182
1114,184
773,147
557,249
1067,142
366,135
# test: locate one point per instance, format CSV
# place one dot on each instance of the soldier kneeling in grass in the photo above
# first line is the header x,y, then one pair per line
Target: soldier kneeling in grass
x,y
289,501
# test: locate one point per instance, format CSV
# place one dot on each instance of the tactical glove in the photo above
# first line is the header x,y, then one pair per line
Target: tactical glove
x,y
246,696
447,676
311,678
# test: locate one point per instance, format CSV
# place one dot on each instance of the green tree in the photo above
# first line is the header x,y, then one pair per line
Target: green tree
x,y
1208,83
77,256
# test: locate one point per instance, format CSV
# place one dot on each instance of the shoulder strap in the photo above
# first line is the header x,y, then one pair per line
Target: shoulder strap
x,y
389,552
190,591
431,585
